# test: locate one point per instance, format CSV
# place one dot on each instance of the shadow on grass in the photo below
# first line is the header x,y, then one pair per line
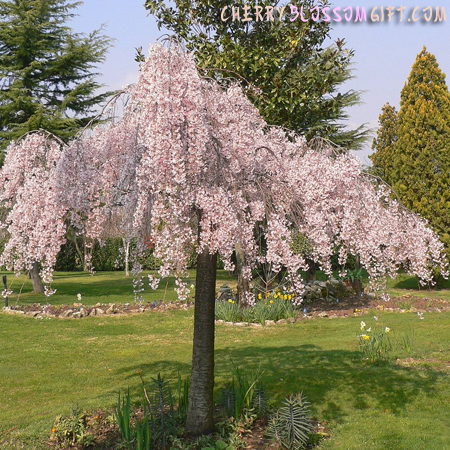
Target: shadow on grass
x,y
333,380
412,283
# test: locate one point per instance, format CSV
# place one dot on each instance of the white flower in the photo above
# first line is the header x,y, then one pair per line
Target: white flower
x,y
387,329
369,329
375,318
79,297
362,325
6,293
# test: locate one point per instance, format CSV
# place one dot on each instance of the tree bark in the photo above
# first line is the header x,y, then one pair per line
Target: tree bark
x,y
126,249
200,418
38,287
311,272
243,283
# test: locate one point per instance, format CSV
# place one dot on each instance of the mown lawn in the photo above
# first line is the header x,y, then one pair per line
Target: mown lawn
x,y
49,366
104,287
114,287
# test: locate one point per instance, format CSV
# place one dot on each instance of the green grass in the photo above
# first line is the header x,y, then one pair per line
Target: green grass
x,y
49,366
104,287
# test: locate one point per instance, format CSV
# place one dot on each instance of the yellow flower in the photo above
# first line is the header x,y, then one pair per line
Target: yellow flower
x,y
275,296
285,296
289,297
231,301
271,301
365,337
259,296
53,430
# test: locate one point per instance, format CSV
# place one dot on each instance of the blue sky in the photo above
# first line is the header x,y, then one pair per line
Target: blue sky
x,y
384,51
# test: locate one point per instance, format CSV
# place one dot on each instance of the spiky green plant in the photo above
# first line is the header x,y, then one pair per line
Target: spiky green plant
x,y
123,415
228,310
162,411
290,425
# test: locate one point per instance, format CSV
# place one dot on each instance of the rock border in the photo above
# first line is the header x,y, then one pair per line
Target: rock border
x,y
79,311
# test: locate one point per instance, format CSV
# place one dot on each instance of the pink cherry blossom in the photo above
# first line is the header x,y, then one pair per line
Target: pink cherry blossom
x,y
191,163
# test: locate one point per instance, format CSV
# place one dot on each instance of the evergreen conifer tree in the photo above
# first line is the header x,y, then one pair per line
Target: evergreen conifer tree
x,y
383,144
46,76
417,164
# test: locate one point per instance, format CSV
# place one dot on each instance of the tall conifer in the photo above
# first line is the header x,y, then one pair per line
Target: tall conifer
x,y
383,144
418,163
46,70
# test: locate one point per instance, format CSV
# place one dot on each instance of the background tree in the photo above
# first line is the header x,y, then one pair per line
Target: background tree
x,y
296,78
46,70
417,164
383,144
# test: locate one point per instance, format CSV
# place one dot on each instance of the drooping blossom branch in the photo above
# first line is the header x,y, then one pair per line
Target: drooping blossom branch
x,y
193,164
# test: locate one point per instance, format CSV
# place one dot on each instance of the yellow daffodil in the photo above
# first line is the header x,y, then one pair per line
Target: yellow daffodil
x,y
271,301
365,337
285,296
289,297
259,296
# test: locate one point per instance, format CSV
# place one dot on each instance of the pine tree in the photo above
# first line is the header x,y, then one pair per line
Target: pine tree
x,y
46,69
419,168
297,78
383,144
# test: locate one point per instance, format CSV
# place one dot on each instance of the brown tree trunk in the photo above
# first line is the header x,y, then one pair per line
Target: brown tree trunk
x,y
311,272
200,419
242,284
38,287
126,249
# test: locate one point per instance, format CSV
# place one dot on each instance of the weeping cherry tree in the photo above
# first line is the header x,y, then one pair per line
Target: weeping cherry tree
x,y
191,163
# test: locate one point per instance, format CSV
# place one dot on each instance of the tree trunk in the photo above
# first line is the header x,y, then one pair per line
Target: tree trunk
x,y
242,284
126,250
86,261
200,419
38,287
311,272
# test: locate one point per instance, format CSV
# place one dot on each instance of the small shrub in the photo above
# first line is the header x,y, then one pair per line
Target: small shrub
x,y
219,445
72,430
290,426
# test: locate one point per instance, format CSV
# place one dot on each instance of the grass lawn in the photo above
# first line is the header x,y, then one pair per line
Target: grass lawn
x,y
49,366
104,287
